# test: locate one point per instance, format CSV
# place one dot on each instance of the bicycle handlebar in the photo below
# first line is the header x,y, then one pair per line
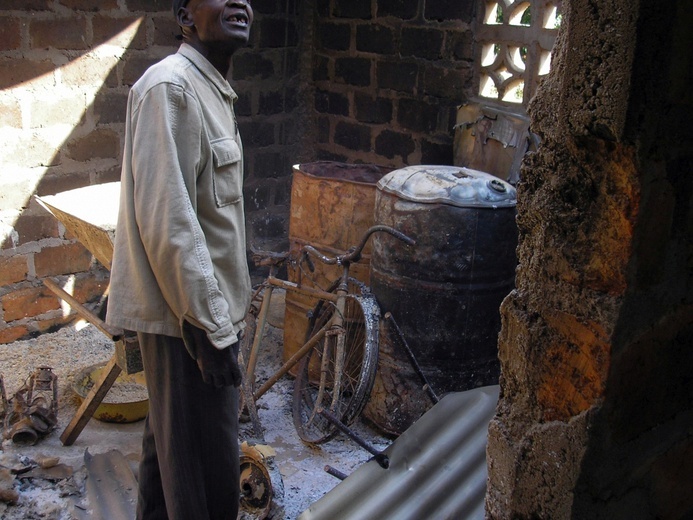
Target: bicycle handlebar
x,y
353,254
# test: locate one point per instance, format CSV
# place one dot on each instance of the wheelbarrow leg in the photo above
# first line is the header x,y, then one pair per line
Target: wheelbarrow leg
x,y
91,403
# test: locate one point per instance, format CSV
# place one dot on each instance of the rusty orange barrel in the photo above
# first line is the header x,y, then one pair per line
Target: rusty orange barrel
x,y
332,205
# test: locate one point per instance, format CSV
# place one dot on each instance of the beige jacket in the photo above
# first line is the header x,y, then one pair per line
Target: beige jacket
x,y
180,237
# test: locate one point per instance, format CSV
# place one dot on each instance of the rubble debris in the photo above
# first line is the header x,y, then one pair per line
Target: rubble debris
x,y
7,492
47,462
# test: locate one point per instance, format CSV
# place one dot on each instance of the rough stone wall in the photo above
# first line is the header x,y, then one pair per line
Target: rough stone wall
x,y
388,77
595,418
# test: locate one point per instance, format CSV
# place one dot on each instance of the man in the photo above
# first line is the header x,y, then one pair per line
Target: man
x,y
179,274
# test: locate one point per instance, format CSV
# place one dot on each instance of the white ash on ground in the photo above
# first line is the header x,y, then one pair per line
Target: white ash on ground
x,y
299,479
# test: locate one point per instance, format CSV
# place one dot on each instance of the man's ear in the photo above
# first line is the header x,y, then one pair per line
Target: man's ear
x,y
185,19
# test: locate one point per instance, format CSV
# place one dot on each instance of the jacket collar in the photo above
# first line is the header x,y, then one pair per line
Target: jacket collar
x,y
207,69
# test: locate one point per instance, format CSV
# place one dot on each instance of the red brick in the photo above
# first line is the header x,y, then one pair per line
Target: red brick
x,y
101,143
136,66
28,302
149,5
15,190
110,175
65,33
89,288
65,259
31,228
111,80
107,28
10,35
14,72
57,111
110,107
574,368
13,269
31,151
165,32
89,70
11,334
53,324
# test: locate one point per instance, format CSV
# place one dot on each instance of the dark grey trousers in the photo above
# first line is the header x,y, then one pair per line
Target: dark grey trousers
x,y
189,468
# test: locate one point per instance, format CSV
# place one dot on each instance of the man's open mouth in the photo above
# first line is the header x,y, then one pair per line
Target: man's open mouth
x,y
238,18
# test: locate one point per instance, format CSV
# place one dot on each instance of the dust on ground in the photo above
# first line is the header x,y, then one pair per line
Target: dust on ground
x,y
299,481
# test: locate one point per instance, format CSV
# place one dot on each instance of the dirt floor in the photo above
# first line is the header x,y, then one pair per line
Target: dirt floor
x,y
298,481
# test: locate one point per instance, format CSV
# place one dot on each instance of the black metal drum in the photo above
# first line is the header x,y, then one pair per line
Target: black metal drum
x,y
445,292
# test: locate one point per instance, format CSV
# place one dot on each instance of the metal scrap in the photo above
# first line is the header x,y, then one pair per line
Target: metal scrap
x,y
33,411
437,468
111,486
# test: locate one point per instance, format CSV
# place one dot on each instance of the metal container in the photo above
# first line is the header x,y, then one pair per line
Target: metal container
x,y
492,139
127,400
331,207
445,292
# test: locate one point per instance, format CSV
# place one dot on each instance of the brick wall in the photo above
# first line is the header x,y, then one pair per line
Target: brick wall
x,y
351,81
388,77
271,115
65,69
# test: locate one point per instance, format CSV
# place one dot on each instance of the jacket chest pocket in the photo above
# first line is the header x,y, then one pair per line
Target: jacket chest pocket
x,y
228,177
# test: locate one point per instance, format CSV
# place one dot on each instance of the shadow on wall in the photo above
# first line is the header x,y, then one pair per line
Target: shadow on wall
x,y
64,83
70,114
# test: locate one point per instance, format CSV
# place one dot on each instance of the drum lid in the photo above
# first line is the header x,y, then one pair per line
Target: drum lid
x,y
454,185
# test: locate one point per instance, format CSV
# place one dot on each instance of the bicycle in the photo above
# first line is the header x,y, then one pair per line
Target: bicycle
x,y
338,361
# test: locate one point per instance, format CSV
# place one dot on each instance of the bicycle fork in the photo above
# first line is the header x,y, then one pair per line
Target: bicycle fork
x,y
335,338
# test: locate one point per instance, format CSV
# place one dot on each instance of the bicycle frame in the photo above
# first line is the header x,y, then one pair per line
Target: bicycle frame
x,y
334,356
271,283
335,326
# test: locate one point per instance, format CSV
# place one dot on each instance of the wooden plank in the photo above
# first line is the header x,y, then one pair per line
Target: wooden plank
x,y
90,213
91,403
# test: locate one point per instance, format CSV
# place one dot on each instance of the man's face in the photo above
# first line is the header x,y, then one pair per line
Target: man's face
x,y
222,24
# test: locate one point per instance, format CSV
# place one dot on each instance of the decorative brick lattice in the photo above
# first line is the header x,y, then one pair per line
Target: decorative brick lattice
x,y
514,42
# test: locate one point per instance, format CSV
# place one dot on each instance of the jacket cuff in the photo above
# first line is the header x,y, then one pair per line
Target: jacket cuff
x,y
223,337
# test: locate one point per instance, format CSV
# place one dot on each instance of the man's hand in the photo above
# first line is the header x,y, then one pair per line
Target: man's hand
x,y
218,367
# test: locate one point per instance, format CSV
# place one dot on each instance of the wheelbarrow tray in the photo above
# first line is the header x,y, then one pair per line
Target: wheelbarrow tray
x,y
90,214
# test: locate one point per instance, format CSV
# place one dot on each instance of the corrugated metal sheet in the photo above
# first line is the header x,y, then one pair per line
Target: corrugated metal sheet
x,y
111,486
437,468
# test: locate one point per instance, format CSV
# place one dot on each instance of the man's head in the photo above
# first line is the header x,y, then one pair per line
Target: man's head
x,y
216,26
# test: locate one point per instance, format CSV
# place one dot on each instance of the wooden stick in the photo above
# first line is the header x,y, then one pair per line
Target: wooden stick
x,y
114,333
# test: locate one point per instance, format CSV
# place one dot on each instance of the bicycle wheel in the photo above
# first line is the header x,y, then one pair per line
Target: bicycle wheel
x,y
319,383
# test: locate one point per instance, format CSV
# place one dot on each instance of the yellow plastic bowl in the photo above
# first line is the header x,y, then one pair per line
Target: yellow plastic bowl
x,y
111,409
